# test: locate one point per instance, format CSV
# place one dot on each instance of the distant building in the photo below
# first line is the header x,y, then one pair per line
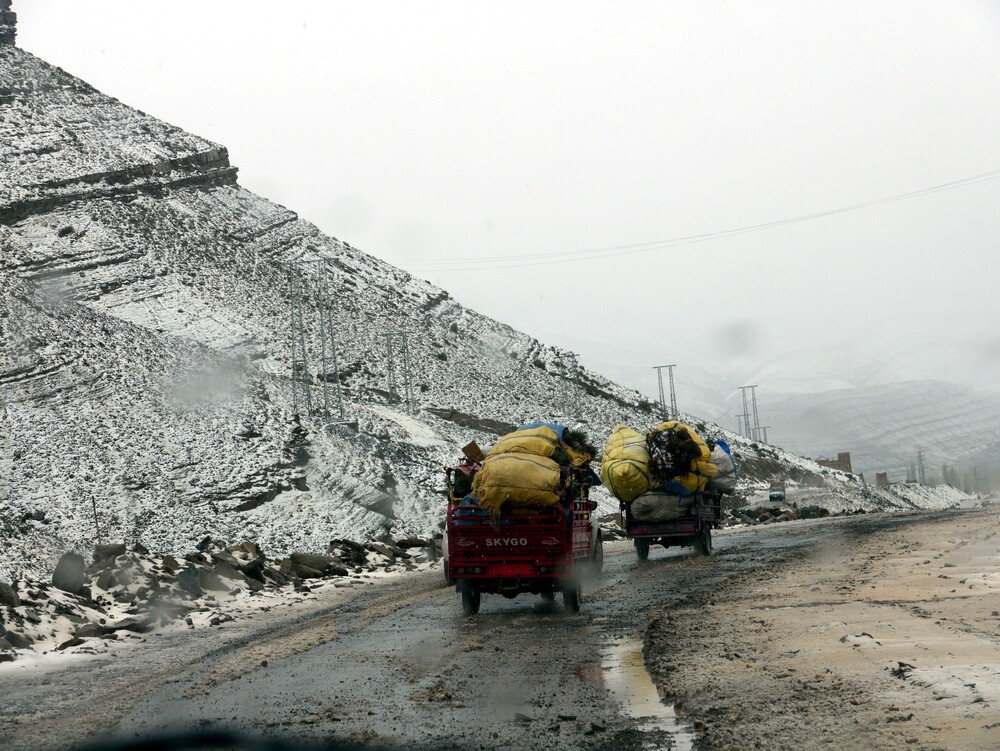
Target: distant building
x,y
842,462
881,479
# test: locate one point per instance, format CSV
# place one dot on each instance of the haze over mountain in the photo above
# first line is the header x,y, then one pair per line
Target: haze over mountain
x,y
145,367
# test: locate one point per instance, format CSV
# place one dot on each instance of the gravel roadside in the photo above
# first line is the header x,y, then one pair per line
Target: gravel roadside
x,y
882,633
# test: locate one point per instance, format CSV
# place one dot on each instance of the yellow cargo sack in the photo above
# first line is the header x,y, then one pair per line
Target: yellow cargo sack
x,y
576,458
541,441
516,480
625,464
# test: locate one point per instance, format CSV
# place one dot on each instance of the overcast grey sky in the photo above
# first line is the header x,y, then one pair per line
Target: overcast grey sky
x,y
437,134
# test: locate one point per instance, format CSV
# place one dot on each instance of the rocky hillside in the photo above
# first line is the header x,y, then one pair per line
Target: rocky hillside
x,y
145,390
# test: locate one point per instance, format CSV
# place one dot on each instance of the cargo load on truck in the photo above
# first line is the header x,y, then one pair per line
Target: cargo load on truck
x,y
669,483
531,468
671,458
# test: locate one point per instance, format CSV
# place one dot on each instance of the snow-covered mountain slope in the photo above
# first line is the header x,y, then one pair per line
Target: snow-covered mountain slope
x,y
145,359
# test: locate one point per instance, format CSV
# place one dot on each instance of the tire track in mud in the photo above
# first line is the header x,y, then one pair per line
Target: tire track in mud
x,y
314,631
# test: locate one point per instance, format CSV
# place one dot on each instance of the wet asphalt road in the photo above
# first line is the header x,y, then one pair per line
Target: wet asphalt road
x,y
400,666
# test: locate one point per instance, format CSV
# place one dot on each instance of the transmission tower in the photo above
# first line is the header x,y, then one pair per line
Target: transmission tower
x,y
328,348
398,339
746,413
670,414
756,417
763,430
921,472
300,273
571,388
301,396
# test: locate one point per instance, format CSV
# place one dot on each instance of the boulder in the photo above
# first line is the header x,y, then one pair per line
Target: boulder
x,y
246,548
212,581
389,551
324,564
74,642
412,542
254,569
106,553
274,576
306,572
348,551
226,571
140,549
69,573
190,581
18,641
813,512
226,557
8,596
106,580
88,629
137,625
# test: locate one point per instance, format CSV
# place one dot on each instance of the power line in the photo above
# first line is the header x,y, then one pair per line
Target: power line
x,y
541,259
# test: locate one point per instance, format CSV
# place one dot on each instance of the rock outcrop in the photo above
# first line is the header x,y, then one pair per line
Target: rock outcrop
x,y
8,23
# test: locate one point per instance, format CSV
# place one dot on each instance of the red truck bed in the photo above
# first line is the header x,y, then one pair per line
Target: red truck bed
x,y
540,551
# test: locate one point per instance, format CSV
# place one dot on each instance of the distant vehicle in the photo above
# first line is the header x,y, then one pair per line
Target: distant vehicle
x,y
777,492
691,530
540,551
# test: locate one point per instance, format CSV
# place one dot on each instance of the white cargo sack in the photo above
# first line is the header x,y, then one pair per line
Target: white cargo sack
x,y
725,481
660,507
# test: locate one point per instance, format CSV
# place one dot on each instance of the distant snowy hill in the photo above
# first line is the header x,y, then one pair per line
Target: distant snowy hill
x,y
884,407
145,359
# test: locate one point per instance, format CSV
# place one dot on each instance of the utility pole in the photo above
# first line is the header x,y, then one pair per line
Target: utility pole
x,y
399,338
670,414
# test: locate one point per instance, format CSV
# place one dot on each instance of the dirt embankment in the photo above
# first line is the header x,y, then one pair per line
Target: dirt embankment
x,y
885,635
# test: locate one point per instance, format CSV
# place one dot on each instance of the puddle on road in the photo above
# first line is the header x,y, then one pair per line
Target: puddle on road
x,y
625,676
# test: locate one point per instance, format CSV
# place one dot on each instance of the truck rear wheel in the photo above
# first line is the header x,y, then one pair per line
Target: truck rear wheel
x,y
597,557
470,597
571,595
641,548
703,545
